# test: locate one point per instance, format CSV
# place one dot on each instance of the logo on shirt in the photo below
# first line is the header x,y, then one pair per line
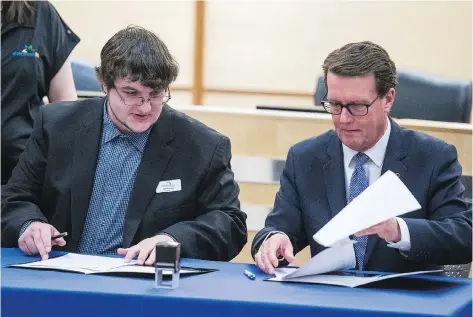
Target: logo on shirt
x,y
27,51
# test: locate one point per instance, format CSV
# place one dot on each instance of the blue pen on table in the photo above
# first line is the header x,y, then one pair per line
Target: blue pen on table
x,y
249,275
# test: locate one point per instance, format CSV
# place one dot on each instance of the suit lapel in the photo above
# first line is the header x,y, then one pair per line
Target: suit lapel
x,y
155,159
334,175
395,153
84,163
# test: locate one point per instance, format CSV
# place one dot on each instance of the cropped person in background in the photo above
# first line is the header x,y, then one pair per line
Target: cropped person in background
x,y
36,44
124,172
324,173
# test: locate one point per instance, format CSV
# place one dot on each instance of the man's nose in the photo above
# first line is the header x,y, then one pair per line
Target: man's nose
x,y
345,115
146,106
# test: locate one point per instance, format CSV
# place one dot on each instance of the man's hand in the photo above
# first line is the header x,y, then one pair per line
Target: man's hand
x,y
277,245
145,250
388,230
37,239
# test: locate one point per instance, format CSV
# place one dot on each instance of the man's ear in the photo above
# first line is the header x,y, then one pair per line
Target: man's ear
x,y
104,87
390,96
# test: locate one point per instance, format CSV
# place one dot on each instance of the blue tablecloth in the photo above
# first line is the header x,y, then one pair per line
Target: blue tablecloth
x,y
226,292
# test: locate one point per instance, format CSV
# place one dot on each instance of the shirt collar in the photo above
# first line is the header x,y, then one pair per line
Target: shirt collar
x,y
110,132
376,153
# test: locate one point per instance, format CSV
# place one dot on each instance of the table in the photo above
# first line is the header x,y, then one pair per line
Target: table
x,y
226,292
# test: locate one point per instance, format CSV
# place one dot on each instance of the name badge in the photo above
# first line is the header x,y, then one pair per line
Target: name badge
x,y
173,185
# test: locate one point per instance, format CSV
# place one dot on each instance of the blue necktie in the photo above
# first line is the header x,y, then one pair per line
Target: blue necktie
x,y
358,183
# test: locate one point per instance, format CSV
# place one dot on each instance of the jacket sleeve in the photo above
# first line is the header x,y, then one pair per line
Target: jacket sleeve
x,y
22,193
445,237
286,216
219,231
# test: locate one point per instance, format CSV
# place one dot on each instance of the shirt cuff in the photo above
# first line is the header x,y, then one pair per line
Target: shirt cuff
x,y
280,258
405,243
166,234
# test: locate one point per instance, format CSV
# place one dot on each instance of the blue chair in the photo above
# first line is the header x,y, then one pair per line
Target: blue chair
x,y
419,96
84,76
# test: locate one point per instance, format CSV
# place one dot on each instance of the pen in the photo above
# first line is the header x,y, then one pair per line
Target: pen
x,y
249,275
61,235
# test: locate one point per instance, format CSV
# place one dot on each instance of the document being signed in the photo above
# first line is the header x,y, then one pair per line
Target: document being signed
x,y
386,198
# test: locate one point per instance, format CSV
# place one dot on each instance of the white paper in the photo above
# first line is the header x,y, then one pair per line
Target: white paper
x,y
92,264
79,262
386,198
346,280
338,258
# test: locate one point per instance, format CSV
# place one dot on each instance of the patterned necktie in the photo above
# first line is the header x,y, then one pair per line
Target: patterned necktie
x,y
358,183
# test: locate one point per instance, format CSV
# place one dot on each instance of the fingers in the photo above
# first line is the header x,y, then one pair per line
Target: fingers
x,y
31,246
46,239
261,262
24,247
143,256
145,250
272,256
288,252
378,229
139,250
267,256
131,253
122,251
259,259
368,231
388,230
38,241
60,242
152,257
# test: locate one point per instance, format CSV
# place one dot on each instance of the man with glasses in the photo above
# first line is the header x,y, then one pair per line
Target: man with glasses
x,y
324,173
124,172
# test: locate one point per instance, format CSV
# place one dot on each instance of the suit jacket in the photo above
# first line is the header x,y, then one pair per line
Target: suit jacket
x,y
54,178
313,191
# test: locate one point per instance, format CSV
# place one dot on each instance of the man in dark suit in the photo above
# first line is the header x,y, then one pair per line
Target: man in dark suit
x,y
324,173
124,172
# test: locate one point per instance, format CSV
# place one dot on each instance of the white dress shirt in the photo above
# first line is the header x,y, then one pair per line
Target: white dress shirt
x,y
373,169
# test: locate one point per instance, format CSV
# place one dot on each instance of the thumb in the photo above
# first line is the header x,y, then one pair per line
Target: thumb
x,y
287,251
59,241
122,251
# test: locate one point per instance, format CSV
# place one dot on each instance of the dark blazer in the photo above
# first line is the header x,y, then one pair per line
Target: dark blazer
x,y
313,191
54,178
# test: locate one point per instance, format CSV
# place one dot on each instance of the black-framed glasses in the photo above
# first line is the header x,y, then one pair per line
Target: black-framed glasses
x,y
155,101
355,109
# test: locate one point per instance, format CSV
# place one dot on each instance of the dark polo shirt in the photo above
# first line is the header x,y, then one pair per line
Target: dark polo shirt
x,y
32,54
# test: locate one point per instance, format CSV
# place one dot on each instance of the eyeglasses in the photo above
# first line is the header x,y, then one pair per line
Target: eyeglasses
x,y
355,109
155,101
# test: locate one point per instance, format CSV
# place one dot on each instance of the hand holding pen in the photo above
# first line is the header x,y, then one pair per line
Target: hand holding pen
x,y
39,238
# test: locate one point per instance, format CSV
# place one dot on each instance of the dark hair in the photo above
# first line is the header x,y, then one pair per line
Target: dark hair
x,y
360,59
139,54
21,12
